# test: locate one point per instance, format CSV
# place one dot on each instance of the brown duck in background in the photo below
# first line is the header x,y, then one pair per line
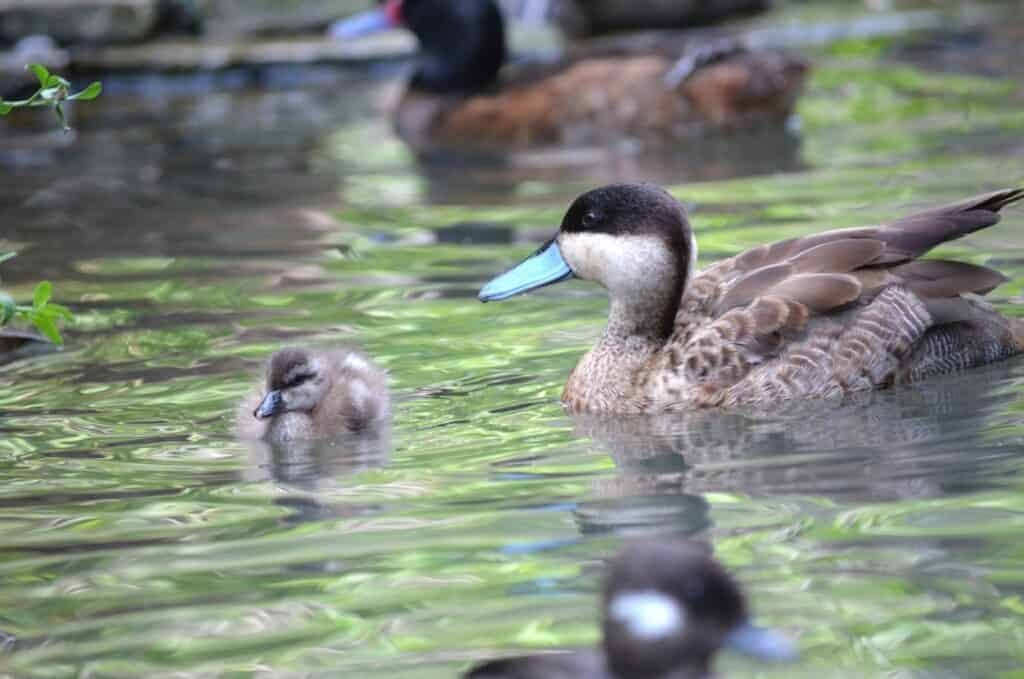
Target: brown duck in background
x,y
581,18
311,394
822,315
459,96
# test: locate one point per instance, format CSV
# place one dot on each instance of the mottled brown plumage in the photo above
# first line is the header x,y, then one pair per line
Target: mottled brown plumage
x,y
819,316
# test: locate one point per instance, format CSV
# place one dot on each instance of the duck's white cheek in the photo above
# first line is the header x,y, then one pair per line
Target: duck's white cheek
x,y
589,255
620,263
648,615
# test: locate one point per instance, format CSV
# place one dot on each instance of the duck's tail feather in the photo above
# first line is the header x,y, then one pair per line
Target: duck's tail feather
x,y
912,236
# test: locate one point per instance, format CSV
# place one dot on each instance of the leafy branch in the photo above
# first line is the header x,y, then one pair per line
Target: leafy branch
x,y
42,313
53,91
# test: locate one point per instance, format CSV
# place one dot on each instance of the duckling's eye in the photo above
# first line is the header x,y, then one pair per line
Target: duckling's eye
x,y
589,219
298,379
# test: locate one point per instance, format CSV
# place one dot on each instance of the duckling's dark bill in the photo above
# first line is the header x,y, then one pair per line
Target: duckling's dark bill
x,y
762,643
271,404
544,267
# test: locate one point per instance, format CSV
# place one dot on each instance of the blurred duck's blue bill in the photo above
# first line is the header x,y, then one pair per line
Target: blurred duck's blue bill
x,y
762,643
357,25
543,267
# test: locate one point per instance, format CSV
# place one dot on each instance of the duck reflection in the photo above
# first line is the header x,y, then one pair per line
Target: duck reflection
x,y
460,177
949,435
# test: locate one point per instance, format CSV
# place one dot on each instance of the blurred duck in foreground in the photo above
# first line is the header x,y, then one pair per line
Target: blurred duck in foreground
x,y
823,315
668,607
312,394
459,96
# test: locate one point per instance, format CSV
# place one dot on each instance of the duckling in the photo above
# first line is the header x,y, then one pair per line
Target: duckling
x,y
312,394
668,607
459,99
823,315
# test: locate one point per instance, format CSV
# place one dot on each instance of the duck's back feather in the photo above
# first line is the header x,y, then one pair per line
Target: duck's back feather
x,y
836,311
599,100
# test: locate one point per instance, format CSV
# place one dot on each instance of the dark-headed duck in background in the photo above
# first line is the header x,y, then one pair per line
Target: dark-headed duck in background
x,y
460,98
668,607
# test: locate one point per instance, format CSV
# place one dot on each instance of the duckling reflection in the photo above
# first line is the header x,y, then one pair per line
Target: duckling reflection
x,y
668,608
311,471
902,443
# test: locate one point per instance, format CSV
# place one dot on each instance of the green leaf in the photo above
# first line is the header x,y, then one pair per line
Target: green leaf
x,y
57,81
55,310
89,93
46,326
4,256
42,295
41,72
5,108
6,308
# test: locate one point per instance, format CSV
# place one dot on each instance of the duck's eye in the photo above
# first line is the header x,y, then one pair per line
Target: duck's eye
x,y
589,219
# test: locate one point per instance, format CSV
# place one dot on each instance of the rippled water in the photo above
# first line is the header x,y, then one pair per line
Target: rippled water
x,y
193,235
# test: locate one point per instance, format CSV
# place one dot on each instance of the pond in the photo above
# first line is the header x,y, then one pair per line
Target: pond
x,y
195,226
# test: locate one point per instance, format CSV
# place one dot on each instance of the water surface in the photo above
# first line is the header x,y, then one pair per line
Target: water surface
x,y
194,233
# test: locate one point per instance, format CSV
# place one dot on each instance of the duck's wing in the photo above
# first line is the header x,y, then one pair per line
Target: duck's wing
x,y
741,311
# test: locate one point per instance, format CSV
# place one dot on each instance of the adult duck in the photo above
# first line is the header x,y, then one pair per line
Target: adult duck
x,y
668,607
817,316
460,97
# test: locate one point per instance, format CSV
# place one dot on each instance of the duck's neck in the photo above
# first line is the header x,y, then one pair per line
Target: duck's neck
x,y
645,317
605,379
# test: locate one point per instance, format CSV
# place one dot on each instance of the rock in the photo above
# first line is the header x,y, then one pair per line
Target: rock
x,y
75,21
32,49
239,17
18,344
210,54
580,18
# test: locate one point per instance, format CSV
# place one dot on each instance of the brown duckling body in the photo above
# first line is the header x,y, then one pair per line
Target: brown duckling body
x,y
819,316
312,394
461,98
668,607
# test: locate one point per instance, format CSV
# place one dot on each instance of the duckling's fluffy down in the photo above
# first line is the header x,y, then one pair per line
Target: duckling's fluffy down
x,y
356,399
